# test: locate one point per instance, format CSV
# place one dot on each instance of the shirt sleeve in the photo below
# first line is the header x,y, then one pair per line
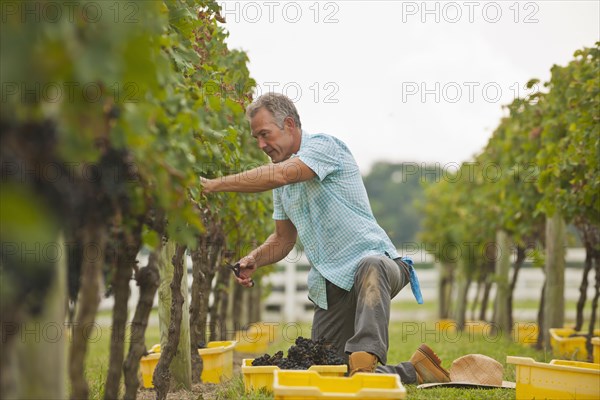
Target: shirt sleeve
x,y
321,155
278,211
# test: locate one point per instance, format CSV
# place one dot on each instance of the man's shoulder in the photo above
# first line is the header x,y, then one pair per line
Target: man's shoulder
x,y
325,139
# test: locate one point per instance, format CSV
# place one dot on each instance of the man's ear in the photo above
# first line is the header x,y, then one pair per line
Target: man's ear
x,y
289,123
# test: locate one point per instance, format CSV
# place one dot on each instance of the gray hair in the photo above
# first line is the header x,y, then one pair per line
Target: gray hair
x,y
278,105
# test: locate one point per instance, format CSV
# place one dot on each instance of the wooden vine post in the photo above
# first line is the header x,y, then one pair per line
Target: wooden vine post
x,y
554,296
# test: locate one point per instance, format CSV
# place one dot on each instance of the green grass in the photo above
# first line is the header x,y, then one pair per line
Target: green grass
x,y
453,394
405,337
412,305
234,389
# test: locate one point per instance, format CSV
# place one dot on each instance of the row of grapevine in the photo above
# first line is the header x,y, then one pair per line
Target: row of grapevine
x,y
538,172
110,113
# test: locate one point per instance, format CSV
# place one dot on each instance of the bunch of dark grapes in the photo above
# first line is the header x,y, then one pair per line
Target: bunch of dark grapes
x,y
304,354
276,359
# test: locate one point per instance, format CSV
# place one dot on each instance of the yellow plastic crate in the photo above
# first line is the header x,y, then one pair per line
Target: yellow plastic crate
x,y
560,379
217,359
256,338
261,376
567,347
309,385
155,349
596,345
147,365
525,332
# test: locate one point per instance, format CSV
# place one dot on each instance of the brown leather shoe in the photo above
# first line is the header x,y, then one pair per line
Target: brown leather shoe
x,y
361,361
428,366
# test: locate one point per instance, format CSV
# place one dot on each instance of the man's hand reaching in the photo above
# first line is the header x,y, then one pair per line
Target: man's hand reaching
x,y
207,185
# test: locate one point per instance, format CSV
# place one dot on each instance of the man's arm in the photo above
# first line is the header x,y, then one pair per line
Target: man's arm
x,y
261,179
277,245
274,249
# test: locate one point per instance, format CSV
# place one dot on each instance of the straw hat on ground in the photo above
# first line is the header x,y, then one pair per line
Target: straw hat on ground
x,y
475,371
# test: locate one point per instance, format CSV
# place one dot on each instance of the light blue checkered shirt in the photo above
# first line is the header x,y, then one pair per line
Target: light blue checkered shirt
x,y
332,215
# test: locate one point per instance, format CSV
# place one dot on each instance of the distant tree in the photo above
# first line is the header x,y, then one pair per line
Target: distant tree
x,y
394,190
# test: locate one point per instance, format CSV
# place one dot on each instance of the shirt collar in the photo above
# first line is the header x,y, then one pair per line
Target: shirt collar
x,y
303,141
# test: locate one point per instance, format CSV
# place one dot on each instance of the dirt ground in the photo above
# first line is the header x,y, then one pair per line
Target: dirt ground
x,y
200,391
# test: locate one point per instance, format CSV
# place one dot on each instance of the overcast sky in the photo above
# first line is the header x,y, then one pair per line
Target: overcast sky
x,y
402,80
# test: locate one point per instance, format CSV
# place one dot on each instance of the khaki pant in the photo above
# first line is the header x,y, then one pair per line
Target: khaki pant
x,y
358,320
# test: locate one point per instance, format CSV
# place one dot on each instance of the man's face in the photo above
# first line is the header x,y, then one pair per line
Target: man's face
x,y
276,142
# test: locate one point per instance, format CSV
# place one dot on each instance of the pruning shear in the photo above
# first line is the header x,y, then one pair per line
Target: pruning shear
x,y
236,270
